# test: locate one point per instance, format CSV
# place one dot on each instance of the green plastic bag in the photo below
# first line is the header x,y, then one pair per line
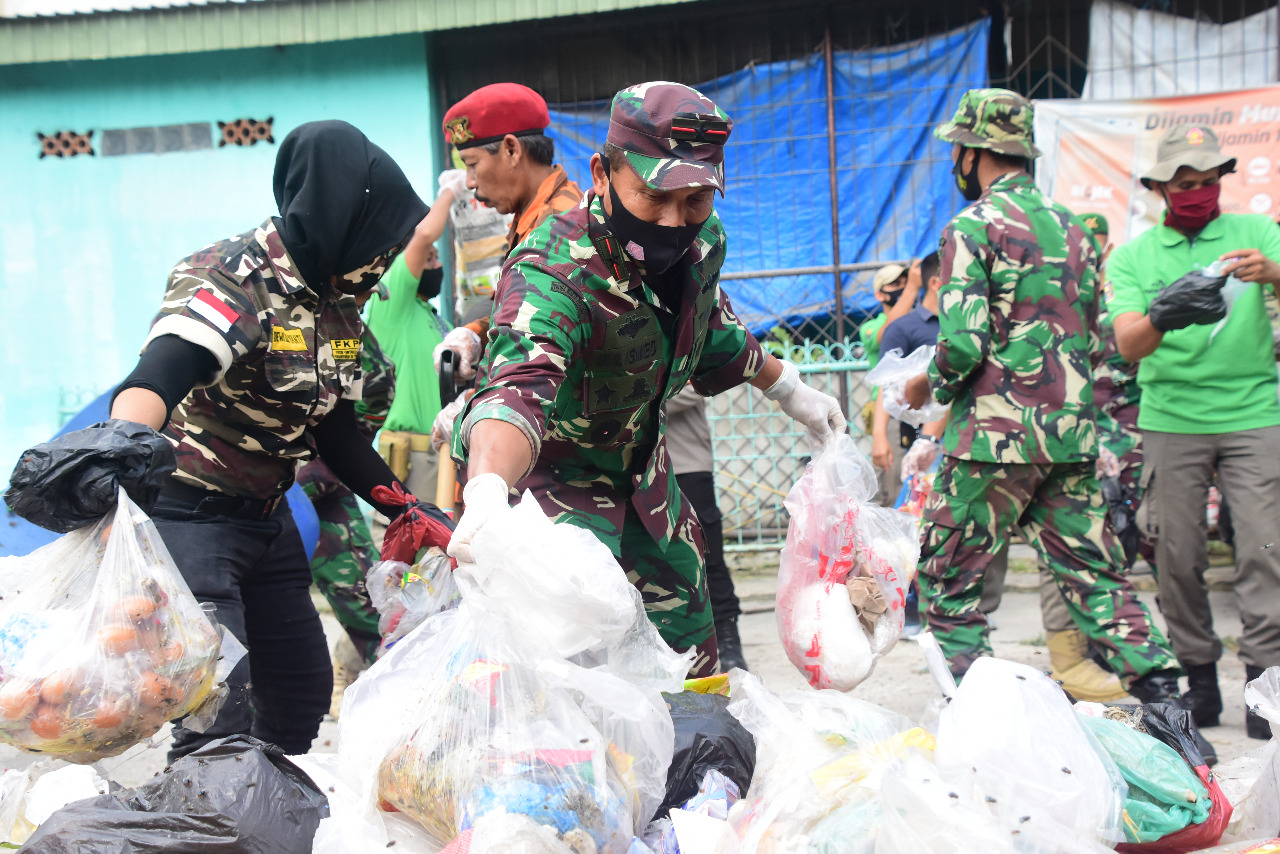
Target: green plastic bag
x,y
1165,795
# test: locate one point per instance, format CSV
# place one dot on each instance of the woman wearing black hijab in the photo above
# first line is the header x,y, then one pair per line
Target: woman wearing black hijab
x,y
251,367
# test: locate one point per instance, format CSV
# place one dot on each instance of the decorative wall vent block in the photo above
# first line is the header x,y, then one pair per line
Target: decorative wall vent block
x,y
66,143
246,132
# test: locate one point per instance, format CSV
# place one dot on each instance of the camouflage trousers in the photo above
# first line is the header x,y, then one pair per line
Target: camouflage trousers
x,y
343,556
672,583
1062,514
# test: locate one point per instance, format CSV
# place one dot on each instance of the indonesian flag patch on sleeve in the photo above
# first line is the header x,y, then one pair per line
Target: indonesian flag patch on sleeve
x,y
206,304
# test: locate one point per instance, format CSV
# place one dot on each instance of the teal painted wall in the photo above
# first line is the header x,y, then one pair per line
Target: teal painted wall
x,y
86,243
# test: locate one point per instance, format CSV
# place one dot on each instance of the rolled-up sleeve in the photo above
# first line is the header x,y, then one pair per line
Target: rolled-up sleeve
x,y
200,306
731,355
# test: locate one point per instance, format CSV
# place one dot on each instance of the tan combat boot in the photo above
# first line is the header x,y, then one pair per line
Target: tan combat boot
x,y
346,667
1080,675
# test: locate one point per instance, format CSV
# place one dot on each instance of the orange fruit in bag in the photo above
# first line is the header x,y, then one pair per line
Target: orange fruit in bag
x,y
109,714
118,639
155,690
137,608
48,722
18,698
59,686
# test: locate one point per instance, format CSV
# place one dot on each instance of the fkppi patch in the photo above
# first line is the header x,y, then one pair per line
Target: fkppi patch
x,y
345,349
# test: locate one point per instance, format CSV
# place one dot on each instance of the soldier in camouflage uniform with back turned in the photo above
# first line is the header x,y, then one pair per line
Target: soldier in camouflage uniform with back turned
x,y
1018,343
602,315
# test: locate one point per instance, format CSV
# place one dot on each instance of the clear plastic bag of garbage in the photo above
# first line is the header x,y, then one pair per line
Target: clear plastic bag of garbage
x,y
891,374
845,570
567,565
477,715
820,757
1010,736
102,643
1253,781
404,596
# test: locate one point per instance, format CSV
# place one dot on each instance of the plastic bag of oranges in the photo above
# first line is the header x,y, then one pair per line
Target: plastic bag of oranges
x,y
101,642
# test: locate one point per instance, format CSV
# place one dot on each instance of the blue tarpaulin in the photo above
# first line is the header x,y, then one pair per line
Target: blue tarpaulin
x,y
894,184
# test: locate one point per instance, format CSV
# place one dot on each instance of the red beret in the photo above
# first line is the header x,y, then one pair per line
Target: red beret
x,y
491,112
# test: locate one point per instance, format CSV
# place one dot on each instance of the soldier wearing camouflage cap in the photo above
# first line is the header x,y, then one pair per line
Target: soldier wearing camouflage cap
x,y
602,315
1018,315
251,367
1209,403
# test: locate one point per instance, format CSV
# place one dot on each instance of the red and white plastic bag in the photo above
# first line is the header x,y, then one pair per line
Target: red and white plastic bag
x,y
845,572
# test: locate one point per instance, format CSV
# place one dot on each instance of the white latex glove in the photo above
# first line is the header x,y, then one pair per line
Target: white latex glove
x,y
818,412
466,344
455,181
919,457
1108,465
442,428
484,497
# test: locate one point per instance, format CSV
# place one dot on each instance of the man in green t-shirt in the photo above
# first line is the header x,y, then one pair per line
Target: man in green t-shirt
x,y
409,329
1209,403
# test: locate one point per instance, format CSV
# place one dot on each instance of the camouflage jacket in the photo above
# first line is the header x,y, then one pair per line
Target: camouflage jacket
x,y
1019,335
379,390
582,357
285,358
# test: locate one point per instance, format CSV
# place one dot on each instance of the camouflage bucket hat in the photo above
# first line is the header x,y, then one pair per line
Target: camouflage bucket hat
x,y
673,136
995,119
1186,145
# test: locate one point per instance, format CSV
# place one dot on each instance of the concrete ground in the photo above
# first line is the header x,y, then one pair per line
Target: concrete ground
x,y
900,681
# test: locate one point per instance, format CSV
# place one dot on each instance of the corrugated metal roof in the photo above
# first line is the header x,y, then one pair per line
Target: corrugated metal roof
x,y
224,26
52,8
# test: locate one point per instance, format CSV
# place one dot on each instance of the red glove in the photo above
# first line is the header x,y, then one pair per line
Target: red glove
x,y
419,525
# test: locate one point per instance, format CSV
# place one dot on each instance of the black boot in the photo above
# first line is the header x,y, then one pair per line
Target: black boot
x,y
1203,697
730,645
1255,726
1162,687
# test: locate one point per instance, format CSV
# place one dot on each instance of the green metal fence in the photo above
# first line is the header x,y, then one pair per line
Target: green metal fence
x,y
760,453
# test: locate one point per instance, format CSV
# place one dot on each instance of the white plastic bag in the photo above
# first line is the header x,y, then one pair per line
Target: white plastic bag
x,y
1252,782
1010,736
820,756
842,549
892,372
103,643
559,582
1231,291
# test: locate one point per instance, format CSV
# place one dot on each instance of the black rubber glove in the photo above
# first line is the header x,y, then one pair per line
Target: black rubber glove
x,y
1193,299
74,480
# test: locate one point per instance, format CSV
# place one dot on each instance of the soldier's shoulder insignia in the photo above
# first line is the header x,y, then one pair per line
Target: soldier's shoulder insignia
x,y
459,129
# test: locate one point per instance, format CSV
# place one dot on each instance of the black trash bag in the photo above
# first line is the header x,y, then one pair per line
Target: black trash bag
x,y
74,480
1124,516
1193,299
1172,726
707,738
236,795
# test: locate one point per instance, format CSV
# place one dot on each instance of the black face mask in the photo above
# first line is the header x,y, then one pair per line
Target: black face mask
x,y
657,247
891,297
967,182
429,282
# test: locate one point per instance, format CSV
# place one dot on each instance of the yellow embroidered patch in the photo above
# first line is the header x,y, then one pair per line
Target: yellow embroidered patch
x,y
287,339
345,349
